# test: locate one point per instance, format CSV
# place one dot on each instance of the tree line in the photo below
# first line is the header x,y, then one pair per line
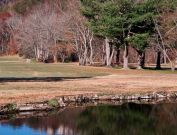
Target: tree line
x,y
95,30
135,23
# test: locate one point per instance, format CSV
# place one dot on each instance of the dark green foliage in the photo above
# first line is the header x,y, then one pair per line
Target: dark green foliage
x,y
107,18
23,6
139,41
120,19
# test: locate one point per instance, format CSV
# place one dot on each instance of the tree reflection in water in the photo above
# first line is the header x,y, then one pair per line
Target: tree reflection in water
x,y
128,119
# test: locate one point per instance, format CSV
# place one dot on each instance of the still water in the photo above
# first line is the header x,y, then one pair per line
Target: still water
x,y
128,119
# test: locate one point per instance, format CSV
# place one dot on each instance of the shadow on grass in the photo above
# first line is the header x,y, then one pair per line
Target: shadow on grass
x,y
165,69
38,79
161,69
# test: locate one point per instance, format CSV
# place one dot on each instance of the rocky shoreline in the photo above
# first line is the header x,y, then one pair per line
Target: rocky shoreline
x,y
66,101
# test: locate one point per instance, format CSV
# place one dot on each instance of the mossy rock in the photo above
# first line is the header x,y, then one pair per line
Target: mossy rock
x,y
53,103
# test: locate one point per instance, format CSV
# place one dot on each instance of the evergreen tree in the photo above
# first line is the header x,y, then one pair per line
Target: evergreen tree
x,y
119,20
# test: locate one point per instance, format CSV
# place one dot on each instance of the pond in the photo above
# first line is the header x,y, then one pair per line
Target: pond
x,y
127,119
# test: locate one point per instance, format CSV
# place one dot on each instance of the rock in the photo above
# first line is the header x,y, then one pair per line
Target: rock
x,y
34,107
86,99
153,96
61,103
66,99
79,99
95,97
116,97
175,95
128,97
95,103
172,95
160,96
72,99
135,97
42,106
144,100
125,98
26,108
102,97
122,97
144,97
160,100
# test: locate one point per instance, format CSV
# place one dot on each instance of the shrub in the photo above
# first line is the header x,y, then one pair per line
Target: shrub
x,y
11,107
53,103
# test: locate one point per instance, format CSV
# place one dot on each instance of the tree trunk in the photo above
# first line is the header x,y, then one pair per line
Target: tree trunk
x,y
85,57
125,57
141,60
173,66
91,49
164,56
111,55
55,58
63,59
80,60
91,55
158,63
55,52
37,53
107,51
103,56
118,57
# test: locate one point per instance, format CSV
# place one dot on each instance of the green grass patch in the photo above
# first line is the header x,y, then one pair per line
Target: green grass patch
x,y
53,103
13,66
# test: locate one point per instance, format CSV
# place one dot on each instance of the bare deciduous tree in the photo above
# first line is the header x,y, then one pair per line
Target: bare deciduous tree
x,y
40,31
166,39
83,37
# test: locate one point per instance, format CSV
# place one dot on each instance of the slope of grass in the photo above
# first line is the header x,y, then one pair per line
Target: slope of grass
x,y
13,66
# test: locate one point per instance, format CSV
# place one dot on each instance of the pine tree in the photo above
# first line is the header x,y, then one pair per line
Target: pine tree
x,y
119,20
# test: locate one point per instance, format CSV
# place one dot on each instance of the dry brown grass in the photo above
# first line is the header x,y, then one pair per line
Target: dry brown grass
x,y
119,81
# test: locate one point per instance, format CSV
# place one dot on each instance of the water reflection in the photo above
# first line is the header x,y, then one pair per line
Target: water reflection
x,y
128,119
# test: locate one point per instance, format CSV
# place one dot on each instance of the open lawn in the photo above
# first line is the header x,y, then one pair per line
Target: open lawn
x,y
17,67
28,82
